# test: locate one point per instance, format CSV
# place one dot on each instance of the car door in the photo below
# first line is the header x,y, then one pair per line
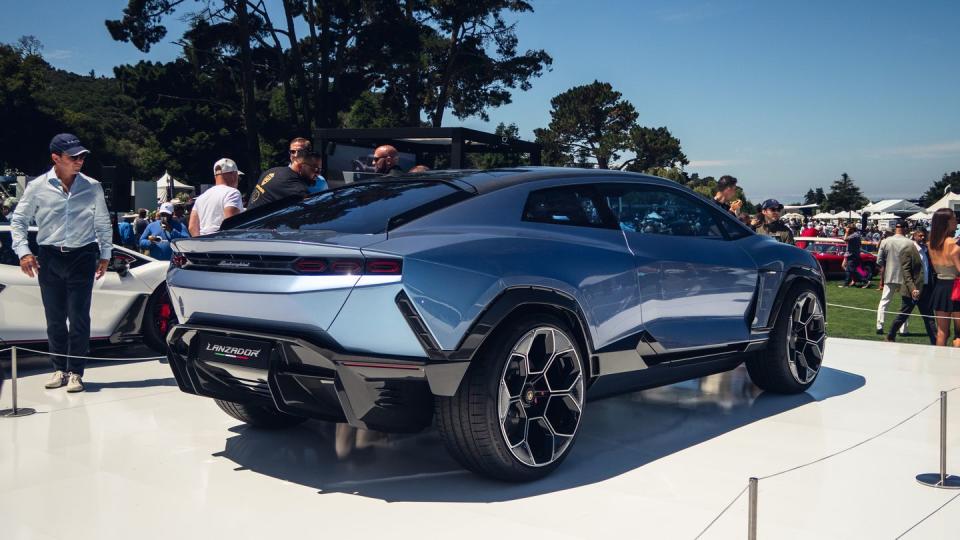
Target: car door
x,y
114,294
21,306
696,282
598,264
21,309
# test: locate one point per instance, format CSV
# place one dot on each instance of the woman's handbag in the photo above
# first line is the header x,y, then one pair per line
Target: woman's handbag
x,y
955,293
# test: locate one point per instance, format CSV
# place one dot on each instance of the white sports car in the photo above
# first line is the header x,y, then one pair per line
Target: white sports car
x,y
130,302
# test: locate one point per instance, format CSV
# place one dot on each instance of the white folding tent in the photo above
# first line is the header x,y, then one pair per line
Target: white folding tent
x,y
893,206
163,187
950,200
919,215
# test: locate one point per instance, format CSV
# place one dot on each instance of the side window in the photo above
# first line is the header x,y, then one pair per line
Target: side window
x,y
655,210
566,205
729,225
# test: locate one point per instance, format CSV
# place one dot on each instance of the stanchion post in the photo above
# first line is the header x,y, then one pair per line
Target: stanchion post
x,y
14,412
752,510
942,479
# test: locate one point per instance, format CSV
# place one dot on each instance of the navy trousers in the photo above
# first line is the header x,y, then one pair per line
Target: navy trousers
x,y
66,287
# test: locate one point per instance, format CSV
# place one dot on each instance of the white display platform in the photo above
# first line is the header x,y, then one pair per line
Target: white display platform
x,y
135,458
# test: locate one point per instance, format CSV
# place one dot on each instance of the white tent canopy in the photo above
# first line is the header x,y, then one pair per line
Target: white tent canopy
x,y
893,206
882,216
919,215
950,200
849,214
163,187
793,215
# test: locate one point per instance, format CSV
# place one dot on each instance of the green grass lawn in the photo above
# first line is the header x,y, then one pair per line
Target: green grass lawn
x,y
848,323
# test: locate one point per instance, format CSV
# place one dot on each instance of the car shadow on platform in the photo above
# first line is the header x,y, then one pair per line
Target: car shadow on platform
x,y
618,434
91,386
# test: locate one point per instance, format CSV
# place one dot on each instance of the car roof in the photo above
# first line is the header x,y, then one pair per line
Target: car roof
x,y
485,181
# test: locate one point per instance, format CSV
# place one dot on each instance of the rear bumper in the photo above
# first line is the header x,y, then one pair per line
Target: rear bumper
x,y
315,380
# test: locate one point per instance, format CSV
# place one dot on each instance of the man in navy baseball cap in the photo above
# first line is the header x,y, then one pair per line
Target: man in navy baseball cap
x,y
73,249
772,226
67,143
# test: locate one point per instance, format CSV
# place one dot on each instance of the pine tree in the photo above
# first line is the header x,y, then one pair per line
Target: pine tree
x,y
845,195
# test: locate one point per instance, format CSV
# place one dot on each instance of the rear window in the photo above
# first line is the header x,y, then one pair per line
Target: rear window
x,y
364,208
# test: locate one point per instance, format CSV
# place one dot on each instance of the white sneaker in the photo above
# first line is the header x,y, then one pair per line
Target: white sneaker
x,y
74,384
57,380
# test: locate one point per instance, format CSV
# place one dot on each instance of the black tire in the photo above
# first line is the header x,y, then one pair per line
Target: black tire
x,y
153,334
259,417
470,421
791,361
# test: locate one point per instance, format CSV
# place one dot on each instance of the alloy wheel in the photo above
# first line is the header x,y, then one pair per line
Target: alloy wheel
x,y
806,335
540,399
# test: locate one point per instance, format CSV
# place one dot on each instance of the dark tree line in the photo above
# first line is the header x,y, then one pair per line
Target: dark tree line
x,y
361,63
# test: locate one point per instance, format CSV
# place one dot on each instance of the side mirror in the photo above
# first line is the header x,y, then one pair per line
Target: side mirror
x,y
119,265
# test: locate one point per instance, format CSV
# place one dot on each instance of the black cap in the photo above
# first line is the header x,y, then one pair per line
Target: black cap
x,y
66,143
771,203
901,224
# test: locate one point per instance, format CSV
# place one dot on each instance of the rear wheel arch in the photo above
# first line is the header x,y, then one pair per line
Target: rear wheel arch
x,y
519,302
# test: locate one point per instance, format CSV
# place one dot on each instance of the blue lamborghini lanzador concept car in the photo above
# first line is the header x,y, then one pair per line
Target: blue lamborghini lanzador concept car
x,y
491,304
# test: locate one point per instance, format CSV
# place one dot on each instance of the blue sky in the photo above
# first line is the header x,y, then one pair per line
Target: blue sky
x,y
783,95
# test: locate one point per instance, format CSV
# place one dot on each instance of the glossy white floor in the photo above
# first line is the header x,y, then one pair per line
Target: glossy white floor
x,y
135,458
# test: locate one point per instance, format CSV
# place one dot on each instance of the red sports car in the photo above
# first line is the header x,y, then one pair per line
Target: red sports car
x,y
829,252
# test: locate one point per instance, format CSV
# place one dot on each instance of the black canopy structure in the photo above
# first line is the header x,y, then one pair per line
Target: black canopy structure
x,y
419,140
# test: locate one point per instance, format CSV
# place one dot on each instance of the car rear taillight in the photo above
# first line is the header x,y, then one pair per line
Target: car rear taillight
x,y
178,260
382,267
348,267
310,266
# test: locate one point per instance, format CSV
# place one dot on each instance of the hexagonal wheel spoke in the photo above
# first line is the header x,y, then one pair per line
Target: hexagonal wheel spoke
x,y
515,375
563,414
515,424
541,351
540,396
540,441
563,372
